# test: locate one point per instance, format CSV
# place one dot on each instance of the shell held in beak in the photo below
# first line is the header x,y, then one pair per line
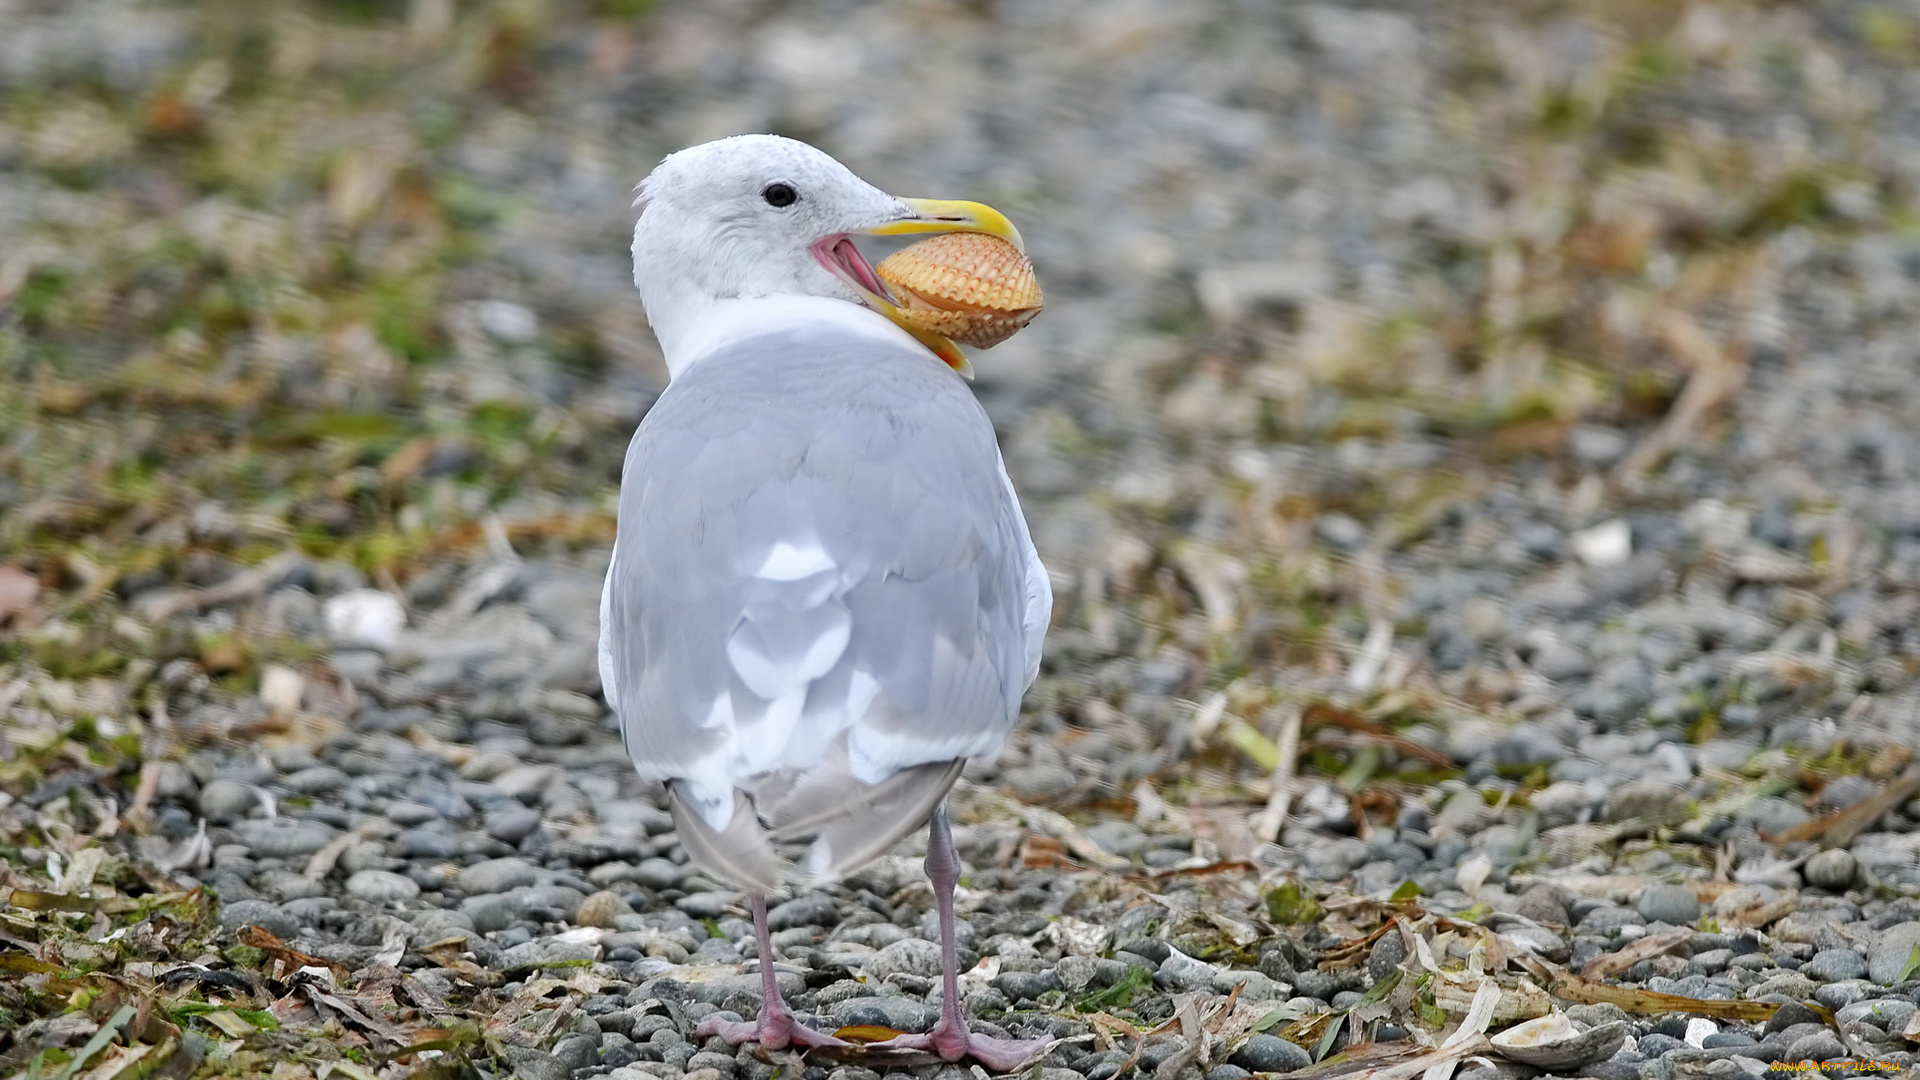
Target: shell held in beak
x,y
970,287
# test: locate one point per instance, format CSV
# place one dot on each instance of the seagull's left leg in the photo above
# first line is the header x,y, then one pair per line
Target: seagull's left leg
x,y
950,1037
776,1029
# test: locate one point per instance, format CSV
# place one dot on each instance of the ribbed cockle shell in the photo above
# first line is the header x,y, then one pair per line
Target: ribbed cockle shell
x,y
973,288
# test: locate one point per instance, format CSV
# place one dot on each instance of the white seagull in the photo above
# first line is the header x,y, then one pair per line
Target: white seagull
x,y
823,597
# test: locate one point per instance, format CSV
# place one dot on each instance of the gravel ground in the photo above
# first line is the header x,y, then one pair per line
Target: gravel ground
x,y
1485,433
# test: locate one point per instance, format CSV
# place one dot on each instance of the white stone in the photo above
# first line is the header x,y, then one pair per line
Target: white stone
x,y
367,618
1606,544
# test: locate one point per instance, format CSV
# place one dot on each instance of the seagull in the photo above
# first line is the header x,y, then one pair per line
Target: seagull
x,y
823,597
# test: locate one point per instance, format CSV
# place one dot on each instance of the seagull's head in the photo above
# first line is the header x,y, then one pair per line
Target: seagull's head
x,y
759,216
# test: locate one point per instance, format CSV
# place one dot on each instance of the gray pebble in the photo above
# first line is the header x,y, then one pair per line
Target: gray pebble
x,y
284,885
407,813
1120,838
495,911
1541,903
811,910
497,875
707,905
512,825
319,780
1673,904
1774,815
1788,1015
656,874
1833,870
530,1064
261,914
910,957
577,1052
1270,1053
436,924
1819,1046
617,1050
283,837
426,843
224,800
1888,954
898,1012
1025,985
382,887
545,951
1833,965
1653,1044
1726,1039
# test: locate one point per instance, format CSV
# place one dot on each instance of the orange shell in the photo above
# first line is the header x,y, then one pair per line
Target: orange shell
x,y
974,288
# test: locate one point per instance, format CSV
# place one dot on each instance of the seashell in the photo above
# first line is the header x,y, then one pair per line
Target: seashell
x,y
974,288
1552,1042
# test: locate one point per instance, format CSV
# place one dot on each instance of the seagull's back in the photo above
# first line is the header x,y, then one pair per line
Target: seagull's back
x,y
823,597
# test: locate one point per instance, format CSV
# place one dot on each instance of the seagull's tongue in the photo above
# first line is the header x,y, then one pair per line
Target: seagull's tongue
x,y
839,252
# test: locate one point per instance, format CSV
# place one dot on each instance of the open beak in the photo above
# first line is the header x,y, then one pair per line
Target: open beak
x,y
838,255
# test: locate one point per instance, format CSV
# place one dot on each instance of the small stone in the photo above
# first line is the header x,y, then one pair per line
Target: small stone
x,y
1833,870
1672,904
811,910
225,800
498,875
602,909
261,914
576,1052
545,952
1025,985
1773,815
530,1064
319,780
1653,1044
1252,986
495,911
512,825
1270,1053
382,887
1182,972
896,1011
1542,903
1726,1039
910,957
1789,1014
1887,956
1819,1046
407,813
283,837
1596,1015
656,874
284,885
1385,956
1833,965
426,843
364,618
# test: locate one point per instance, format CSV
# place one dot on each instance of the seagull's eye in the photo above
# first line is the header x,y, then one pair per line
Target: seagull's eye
x,y
780,195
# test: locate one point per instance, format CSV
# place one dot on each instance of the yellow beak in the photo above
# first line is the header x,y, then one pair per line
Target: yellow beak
x,y
944,215
939,216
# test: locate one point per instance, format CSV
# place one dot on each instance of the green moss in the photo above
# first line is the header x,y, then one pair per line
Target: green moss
x,y
1290,905
1118,996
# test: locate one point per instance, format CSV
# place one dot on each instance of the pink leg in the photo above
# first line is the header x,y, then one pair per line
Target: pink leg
x,y
950,1037
776,1029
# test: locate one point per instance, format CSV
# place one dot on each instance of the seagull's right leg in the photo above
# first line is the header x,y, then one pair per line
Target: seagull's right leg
x,y
776,1029
950,1037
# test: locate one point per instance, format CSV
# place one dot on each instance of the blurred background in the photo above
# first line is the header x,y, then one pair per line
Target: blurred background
x,y
1499,385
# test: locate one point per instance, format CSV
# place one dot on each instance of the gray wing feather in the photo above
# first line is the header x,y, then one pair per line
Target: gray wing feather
x,y
819,556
